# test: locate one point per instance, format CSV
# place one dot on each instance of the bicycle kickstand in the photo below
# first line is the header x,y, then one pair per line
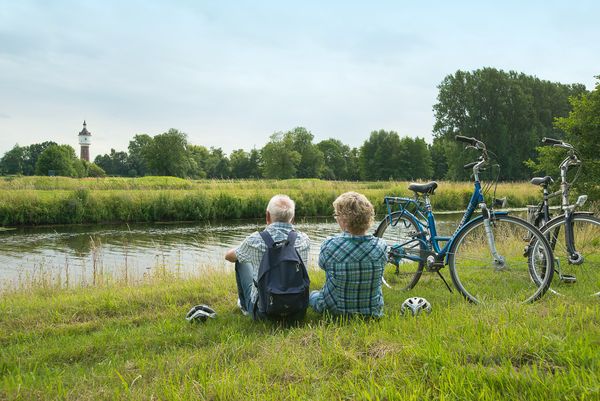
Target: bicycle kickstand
x,y
444,280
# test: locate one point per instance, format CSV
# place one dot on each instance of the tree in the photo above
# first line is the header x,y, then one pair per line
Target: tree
x,y
199,156
336,156
510,112
582,128
254,164
137,154
353,164
244,164
115,163
59,159
311,158
13,161
279,160
239,161
22,160
167,154
438,159
420,165
217,164
381,157
32,153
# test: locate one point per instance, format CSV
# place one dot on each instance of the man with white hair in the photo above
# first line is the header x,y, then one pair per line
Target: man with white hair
x,y
247,256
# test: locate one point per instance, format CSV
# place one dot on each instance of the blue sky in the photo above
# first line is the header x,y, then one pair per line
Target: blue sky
x,y
230,73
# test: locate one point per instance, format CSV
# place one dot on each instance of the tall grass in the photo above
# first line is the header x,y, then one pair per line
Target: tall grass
x,y
60,200
124,342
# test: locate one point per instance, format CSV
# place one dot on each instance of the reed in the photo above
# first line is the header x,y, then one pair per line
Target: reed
x,y
60,200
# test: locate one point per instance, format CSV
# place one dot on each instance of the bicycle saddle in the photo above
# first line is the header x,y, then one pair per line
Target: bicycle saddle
x,y
428,188
541,180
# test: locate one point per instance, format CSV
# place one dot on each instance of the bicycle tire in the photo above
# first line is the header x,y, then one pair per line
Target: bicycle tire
x,y
400,231
482,279
586,275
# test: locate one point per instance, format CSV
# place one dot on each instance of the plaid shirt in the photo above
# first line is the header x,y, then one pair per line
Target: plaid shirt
x,y
354,268
252,249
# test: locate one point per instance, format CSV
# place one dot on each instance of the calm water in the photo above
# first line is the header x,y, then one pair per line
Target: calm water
x,y
135,250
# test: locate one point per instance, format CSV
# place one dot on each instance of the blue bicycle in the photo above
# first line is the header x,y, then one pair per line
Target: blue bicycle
x,y
491,257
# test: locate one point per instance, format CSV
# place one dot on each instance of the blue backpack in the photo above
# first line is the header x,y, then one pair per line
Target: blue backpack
x,y
283,282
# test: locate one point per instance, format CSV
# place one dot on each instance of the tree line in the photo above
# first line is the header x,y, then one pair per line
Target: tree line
x,y
291,154
509,111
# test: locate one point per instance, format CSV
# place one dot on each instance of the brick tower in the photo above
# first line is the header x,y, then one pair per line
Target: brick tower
x,y
85,139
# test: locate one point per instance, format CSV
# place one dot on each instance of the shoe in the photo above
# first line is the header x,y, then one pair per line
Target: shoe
x,y
244,311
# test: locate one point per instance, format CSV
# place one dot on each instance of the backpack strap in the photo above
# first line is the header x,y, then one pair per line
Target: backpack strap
x,y
291,239
267,238
292,235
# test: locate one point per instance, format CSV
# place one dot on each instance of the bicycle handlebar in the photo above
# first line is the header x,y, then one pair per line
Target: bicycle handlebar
x,y
473,142
469,165
466,139
551,141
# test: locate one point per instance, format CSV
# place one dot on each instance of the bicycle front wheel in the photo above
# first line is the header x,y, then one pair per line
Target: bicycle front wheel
x,y
510,261
404,238
577,275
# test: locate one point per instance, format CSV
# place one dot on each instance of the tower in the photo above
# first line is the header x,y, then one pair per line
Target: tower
x,y
85,139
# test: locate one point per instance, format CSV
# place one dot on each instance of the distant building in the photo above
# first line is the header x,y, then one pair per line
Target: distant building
x,y
85,140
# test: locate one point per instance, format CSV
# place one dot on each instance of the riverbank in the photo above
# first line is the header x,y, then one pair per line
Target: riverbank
x,y
132,342
60,200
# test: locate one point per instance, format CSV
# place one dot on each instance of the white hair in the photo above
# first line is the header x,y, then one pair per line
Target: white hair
x,y
281,208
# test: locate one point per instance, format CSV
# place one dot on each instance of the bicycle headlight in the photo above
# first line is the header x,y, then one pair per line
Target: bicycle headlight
x,y
581,200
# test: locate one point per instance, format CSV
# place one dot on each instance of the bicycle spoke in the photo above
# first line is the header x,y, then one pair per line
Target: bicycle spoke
x,y
482,278
579,279
402,274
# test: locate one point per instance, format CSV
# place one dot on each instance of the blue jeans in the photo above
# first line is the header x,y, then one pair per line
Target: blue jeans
x,y
245,282
315,301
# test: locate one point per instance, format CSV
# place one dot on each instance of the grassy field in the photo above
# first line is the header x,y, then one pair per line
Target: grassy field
x,y
60,200
132,342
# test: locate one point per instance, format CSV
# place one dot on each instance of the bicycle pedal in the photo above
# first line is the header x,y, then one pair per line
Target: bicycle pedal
x,y
415,234
568,279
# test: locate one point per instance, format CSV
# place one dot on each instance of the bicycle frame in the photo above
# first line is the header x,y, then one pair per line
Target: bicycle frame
x,y
425,220
567,209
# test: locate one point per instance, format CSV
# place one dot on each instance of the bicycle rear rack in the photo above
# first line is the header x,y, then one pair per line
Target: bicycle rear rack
x,y
411,205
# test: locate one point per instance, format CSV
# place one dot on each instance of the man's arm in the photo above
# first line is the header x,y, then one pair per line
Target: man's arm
x,y
230,256
244,252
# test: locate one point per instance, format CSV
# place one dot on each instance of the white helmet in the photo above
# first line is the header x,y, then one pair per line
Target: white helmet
x,y
415,305
200,313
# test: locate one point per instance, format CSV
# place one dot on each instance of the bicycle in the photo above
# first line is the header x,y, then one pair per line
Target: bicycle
x,y
573,235
484,254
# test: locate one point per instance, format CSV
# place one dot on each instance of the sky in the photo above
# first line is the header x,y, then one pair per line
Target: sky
x,y
231,73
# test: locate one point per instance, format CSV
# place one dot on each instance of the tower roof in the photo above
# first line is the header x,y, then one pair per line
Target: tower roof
x,y
84,131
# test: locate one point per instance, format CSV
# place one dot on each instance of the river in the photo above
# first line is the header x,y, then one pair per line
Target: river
x,y
83,253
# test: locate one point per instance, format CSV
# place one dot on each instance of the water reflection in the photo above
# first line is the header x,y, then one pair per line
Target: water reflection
x,y
133,250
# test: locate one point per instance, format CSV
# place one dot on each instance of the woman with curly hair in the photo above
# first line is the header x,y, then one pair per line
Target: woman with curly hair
x,y
353,262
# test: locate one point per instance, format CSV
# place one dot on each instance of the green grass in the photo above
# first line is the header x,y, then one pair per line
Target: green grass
x,y
131,342
60,200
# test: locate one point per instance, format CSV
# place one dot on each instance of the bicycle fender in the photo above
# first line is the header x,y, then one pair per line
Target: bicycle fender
x,y
554,219
562,216
405,212
471,222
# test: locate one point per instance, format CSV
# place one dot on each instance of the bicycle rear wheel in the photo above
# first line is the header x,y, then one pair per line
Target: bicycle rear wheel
x,y
519,271
403,236
576,276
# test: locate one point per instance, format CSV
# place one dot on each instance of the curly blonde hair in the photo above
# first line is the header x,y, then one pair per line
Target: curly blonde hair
x,y
355,211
